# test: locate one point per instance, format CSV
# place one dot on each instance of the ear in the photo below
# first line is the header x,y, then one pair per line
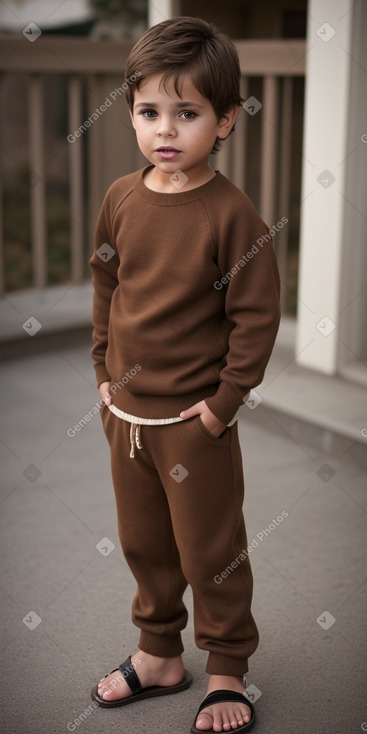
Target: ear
x,y
227,122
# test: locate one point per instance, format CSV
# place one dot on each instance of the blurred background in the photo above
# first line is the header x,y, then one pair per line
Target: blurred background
x,y
300,152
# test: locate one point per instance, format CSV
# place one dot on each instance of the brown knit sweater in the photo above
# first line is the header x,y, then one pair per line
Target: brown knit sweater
x,y
186,297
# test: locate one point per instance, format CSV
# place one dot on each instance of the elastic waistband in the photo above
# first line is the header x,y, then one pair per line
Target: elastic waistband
x,y
142,421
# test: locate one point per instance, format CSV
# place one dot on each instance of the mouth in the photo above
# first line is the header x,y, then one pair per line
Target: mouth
x,y
166,151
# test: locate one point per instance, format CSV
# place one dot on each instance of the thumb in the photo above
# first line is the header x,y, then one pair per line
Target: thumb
x,y
106,397
190,412
104,392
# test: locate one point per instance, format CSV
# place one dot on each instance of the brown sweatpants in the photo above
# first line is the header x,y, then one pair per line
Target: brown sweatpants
x,y
179,507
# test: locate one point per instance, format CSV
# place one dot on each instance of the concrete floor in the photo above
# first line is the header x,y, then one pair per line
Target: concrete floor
x,y
57,504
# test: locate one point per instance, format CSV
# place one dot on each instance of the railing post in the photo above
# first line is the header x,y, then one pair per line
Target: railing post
x,y
284,185
36,181
269,149
239,161
76,179
2,249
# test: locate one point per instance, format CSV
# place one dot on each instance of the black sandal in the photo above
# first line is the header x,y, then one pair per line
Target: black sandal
x,y
138,692
224,696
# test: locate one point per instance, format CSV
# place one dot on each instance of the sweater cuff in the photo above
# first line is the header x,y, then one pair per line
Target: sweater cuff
x,y
101,373
225,403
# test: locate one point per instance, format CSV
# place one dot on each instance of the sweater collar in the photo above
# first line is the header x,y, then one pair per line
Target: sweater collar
x,y
182,197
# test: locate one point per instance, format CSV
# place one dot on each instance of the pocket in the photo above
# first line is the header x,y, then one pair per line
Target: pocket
x,y
107,421
222,440
104,411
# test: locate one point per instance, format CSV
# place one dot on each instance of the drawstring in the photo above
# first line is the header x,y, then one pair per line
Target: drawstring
x,y
135,439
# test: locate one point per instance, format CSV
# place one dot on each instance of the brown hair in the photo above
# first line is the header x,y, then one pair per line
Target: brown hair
x,y
190,46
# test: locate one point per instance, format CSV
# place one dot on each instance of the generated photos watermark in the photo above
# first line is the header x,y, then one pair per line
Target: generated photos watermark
x,y
32,620
218,285
219,578
179,473
72,725
326,326
32,326
326,620
178,179
95,409
31,32
99,111
252,105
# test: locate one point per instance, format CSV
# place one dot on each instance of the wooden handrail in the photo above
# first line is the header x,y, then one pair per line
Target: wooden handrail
x,y
92,64
70,55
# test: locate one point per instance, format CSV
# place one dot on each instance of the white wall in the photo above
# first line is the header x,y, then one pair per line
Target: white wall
x,y
329,41
161,10
353,306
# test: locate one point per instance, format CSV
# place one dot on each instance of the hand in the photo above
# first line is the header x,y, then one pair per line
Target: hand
x,y
210,421
104,392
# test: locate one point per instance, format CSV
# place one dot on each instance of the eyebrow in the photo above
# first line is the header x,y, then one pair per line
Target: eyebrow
x,y
179,104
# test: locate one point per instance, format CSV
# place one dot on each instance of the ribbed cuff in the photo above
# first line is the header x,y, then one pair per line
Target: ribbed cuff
x,y
226,665
225,403
101,373
161,646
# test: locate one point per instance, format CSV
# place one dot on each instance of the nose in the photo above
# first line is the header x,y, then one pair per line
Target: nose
x,y
166,127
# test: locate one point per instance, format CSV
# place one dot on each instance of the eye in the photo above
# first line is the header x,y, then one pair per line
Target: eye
x,y
188,115
148,114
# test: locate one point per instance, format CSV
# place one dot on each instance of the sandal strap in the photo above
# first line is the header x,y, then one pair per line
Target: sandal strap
x,y
224,696
130,676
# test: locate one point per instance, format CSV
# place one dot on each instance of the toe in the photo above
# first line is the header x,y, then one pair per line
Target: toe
x,y
221,721
246,713
111,687
204,722
106,694
234,724
223,718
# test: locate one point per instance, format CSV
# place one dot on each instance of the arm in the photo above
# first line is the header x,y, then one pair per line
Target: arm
x,y
247,263
252,305
104,265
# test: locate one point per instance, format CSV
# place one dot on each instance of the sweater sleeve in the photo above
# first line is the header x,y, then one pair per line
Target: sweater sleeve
x,y
247,262
104,265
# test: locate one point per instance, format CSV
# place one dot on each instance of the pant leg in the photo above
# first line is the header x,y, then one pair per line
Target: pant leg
x,y
203,479
148,542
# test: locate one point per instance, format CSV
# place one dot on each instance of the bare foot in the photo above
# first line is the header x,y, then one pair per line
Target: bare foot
x,y
224,716
151,670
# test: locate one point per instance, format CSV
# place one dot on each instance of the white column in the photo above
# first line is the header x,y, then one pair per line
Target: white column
x,y
159,10
327,110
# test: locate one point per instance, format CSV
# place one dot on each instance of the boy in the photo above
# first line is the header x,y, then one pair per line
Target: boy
x,y
185,315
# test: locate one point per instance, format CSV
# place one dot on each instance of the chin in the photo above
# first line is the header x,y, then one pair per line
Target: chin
x,y
167,166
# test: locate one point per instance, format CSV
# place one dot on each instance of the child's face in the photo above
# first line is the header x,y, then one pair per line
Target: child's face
x,y
176,132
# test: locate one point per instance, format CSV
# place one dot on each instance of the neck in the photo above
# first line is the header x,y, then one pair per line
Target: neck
x,y
178,181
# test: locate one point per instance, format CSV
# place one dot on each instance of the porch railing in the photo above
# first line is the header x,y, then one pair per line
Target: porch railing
x,y
97,143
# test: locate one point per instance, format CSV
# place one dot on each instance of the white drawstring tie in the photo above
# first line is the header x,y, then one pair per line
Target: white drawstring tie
x,y
135,439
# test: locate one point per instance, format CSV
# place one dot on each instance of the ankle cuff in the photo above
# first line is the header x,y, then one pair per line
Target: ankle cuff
x,y
226,665
162,647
